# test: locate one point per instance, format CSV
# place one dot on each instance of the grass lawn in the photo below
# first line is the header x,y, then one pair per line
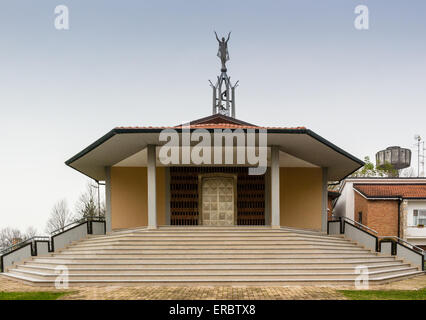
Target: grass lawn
x,y
385,294
31,295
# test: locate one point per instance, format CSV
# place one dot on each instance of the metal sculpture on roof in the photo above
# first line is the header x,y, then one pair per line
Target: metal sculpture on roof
x,y
223,52
223,90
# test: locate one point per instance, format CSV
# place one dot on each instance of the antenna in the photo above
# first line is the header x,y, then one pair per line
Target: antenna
x,y
420,155
422,160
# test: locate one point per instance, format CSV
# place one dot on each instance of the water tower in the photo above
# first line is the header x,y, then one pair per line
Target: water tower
x,y
398,157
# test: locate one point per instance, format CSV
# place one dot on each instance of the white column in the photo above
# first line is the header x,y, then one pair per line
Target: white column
x,y
268,197
108,199
275,187
152,189
324,216
167,185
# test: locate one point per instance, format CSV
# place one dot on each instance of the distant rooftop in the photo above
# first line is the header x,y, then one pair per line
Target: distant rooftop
x,y
404,190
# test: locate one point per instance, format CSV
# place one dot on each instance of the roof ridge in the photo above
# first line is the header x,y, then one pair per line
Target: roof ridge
x,y
390,184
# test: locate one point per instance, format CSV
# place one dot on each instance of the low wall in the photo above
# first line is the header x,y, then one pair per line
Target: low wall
x,y
334,227
386,248
98,227
57,242
63,239
409,255
15,256
360,236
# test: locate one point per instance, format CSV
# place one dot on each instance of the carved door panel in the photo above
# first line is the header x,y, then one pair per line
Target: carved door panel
x,y
218,201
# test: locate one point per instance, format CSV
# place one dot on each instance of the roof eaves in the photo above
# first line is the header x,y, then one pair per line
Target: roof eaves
x,y
297,130
92,146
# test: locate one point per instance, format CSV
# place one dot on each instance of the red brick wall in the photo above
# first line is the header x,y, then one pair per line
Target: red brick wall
x,y
380,215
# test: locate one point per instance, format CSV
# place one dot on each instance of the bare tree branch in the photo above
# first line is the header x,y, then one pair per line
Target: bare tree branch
x,y
59,217
9,237
89,205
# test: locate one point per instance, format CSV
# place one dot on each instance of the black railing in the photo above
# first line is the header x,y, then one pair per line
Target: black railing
x,y
75,223
49,239
23,243
393,239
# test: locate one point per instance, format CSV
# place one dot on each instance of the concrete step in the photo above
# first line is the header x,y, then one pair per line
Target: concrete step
x,y
180,251
212,256
211,245
271,264
215,255
272,281
180,260
228,236
206,269
195,239
208,276
188,242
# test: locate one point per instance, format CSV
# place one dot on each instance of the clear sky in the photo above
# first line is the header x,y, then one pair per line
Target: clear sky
x,y
300,63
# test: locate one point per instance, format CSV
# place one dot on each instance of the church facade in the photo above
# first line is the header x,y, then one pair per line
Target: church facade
x,y
142,191
256,175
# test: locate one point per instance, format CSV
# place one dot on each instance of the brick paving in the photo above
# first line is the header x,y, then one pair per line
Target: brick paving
x,y
206,293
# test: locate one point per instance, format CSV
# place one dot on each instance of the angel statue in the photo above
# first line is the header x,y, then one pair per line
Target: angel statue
x,y
223,53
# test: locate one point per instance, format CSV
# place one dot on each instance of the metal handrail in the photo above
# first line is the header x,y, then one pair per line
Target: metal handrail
x,y
406,242
48,238
66,227
360,224
23,242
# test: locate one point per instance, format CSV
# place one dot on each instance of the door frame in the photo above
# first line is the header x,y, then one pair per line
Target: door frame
x,y
201,177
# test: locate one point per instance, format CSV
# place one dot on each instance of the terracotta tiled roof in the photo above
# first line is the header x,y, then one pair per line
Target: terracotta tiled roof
x,y
217,126
390,190
217,121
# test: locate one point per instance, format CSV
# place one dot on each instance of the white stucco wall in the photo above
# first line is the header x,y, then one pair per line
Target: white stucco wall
x,y
344,206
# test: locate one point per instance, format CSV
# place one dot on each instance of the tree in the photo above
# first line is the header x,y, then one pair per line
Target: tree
x,y
59,217
370,170
13,236
9,237
31,232
89,204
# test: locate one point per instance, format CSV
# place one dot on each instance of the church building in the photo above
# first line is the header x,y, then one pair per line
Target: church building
x,y
288,189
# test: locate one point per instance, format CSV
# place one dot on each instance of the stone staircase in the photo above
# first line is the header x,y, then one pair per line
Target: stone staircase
x,y
197,256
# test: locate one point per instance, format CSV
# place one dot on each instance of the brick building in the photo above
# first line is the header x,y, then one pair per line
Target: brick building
x,y
391,206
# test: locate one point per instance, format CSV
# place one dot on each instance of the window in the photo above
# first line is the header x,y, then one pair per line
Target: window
x,y
419,217
360,217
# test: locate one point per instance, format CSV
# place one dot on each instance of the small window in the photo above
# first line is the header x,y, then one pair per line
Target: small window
x,y
360,217
419,217
415,217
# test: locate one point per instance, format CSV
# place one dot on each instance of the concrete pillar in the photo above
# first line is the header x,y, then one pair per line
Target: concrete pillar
x,y
152,188
275,187
167,195
324,204
268,197
403,211
108,199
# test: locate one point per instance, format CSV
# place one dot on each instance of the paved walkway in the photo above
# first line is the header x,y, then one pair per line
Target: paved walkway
x,y
206,293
